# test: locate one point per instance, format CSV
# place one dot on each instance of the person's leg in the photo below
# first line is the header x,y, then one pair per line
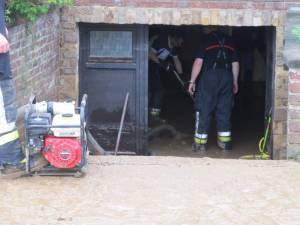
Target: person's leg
x,y
223,111
201,130
10,148
155,89
205,102
12,159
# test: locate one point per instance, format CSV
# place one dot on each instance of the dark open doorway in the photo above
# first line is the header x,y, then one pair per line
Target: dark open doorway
x,y
113,61
255,98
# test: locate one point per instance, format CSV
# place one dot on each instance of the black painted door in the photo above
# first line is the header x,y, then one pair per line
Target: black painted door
x,y
270,79
114,61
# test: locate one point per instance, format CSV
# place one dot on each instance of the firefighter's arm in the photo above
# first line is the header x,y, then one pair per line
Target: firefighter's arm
x,y
4,45
177,64
195,73
152,55
235,71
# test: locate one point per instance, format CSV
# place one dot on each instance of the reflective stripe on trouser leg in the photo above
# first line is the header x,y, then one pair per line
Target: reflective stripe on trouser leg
x,y
224,136
224,108
200,138
10,148
205,101
8,111
154,112
10,152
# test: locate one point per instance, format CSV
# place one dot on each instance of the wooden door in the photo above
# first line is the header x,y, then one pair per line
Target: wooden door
x,y
114,61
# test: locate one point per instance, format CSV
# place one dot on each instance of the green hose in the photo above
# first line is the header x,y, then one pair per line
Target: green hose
x,y
263,153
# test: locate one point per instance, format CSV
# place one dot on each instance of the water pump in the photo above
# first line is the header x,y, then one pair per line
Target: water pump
x,y
57,130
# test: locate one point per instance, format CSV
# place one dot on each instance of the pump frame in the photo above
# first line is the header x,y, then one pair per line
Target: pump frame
x,y
50,170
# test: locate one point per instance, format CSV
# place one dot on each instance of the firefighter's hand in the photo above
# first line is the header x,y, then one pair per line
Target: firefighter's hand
x,y
235,88
167,66
4,45
191,89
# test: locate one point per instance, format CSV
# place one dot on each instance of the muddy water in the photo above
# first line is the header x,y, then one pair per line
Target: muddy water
x,y
247,130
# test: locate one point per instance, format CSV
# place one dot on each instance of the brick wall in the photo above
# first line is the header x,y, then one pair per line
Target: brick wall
x,y
208,4
292,60
35,58
294,115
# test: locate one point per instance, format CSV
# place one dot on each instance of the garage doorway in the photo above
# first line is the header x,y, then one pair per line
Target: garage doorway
x,y
114,60
256,47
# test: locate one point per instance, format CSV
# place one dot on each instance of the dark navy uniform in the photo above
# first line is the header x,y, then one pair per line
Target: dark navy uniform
x,y
214,88
164,54
10,149
5,72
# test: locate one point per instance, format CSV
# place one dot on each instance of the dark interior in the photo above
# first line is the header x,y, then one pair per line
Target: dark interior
x,y
251,103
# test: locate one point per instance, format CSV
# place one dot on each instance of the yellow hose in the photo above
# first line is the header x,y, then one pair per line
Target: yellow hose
x,y
261,155
256,156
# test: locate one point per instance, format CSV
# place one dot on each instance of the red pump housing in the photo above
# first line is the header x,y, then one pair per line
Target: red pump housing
x,y
62,153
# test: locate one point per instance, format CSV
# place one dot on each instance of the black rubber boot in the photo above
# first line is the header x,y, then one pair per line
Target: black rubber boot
x,y
37,162
225,146
199,147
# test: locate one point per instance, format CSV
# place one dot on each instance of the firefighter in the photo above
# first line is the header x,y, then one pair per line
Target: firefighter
x,y
12,163
162,55
214,81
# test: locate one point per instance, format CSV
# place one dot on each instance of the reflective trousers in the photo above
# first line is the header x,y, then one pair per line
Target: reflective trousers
x,y
214,96
10,148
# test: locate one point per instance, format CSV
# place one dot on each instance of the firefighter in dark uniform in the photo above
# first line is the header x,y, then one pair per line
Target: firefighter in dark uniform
x,y
162,55
214,81
12,163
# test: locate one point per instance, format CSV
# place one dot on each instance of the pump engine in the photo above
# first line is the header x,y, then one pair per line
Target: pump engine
x,y
57,130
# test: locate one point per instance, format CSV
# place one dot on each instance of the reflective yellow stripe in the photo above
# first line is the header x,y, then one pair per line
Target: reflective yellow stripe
x,y
224,139
154,113
200,141
23,160
6,138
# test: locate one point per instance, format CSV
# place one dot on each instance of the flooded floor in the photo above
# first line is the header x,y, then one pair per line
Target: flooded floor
x,y
247,130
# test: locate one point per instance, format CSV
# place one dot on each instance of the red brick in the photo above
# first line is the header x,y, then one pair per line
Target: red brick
x,y
295,75
223,5
234,4
294,87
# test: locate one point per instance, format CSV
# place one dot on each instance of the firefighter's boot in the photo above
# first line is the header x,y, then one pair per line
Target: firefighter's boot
x,y
37,162
224,141
199,147
199,144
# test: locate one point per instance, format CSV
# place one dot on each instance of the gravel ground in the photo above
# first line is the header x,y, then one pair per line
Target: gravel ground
x,y
158,191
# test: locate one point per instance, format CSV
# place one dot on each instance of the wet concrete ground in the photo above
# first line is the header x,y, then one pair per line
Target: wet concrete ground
x,y
158,191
